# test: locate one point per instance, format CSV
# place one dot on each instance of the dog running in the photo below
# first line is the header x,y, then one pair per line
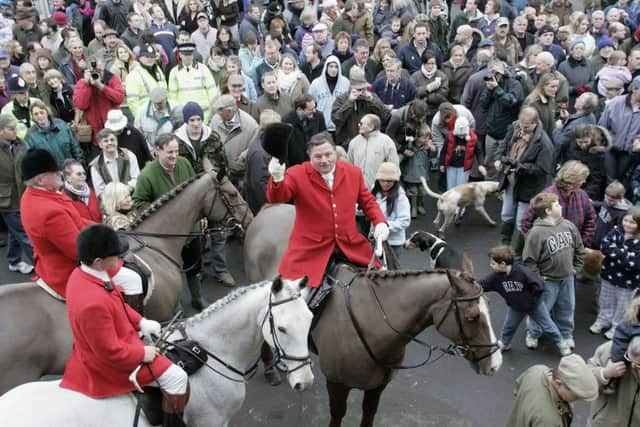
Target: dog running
x,y
450,202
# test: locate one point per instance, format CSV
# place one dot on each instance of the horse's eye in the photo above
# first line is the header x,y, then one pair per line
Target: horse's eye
x,y
282,329
473,319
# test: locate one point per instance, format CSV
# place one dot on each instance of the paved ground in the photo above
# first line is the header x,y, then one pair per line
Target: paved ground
x,y
447,393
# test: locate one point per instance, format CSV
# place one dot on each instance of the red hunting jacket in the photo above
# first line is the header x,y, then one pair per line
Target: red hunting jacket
x,y
52,224
106,346
325,219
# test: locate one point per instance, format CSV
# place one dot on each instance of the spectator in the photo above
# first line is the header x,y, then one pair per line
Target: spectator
x,y
544,395
96,94
585,106
620,272
12,151
411,53
30,77
432,84
234,67
250,56
543,100
114,14
135,25
458,155
327,87
609,212
25,30
189,81
343,50
291,81
229,15
117,206
271,60
472,95
75,64
306,122
81,194
251,22
355,20
52,135
122,65
393,203
313,64
575,202
489,20
113,164
226,42
188,18
544,65
153,118
621,117
501,97
362,60
506,43
371,148
578,70
545,40
526,153
469,16
204,36
96,44
393,89
525,38
165,32
615,69
59,96
197,142
236,86
350,107
128,136
44,62
142,80
272,98
458,70
557,262
108,52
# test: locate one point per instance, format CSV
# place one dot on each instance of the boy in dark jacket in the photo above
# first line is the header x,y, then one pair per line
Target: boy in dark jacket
x,y
553,249
609,212
521,290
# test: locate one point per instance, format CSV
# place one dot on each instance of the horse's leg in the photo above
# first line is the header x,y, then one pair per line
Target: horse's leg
x,y
370,405
338,394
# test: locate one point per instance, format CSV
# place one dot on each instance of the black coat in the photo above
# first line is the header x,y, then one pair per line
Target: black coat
x,y
257,175
535,167
302,133
134,141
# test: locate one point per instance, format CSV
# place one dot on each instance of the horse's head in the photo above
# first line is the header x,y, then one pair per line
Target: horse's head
x,y
225,204
465,319
286,329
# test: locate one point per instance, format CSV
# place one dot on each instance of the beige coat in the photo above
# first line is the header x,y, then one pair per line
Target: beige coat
x,y
617,409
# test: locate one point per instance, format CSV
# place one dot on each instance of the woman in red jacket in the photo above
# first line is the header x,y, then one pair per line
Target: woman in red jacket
x,y
76,187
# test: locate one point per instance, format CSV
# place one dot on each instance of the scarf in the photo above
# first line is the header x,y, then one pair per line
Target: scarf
x,y
287,82
427,74
82,194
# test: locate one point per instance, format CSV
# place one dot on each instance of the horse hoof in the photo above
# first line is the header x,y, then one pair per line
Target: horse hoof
x,y
272,376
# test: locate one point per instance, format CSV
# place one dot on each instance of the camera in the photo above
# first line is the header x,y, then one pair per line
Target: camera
x,y
95,74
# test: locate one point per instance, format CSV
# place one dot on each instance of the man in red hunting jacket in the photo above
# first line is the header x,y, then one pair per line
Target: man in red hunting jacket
x,y
325,193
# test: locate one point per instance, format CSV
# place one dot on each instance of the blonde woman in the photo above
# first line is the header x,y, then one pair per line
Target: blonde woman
x,y
124,62
291,80
543,100
117,206
580,29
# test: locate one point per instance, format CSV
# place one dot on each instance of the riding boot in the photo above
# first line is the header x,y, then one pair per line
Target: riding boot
x,y
173,407
136,302
506,232
421,209
195,287
413,201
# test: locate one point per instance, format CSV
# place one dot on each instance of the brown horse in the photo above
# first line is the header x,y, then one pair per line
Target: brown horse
x,y
35,331
370,317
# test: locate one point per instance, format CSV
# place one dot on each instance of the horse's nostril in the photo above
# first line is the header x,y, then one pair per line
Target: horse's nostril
x,y
297,387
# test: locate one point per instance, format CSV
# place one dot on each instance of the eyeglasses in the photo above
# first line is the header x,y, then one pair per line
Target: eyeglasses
x,y
628,359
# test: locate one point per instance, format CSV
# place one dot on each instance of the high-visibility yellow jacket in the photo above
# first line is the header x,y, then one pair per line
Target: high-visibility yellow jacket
x,y
195,84
138,86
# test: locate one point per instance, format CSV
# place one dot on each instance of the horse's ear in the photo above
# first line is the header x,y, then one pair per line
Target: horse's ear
x,y
467,264
303,282
221,174
452,275
276,285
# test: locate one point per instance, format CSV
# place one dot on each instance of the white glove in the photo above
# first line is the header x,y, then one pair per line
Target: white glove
x,y
381,232
276,169
434,85
150,327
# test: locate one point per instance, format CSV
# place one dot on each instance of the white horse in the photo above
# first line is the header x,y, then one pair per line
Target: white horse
x,y
232,329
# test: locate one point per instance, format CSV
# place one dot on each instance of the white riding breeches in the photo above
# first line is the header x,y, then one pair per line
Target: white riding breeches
x,y
129,280
173,381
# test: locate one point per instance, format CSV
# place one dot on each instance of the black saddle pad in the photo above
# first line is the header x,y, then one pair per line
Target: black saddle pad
x,y
188,354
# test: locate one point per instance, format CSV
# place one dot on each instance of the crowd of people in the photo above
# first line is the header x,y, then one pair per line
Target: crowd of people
x,y
131,97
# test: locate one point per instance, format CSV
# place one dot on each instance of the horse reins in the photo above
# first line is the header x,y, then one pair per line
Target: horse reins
x,y
453,349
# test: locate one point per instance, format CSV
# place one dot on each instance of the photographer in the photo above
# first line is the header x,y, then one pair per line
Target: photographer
x,y
349,108
500,98
96,93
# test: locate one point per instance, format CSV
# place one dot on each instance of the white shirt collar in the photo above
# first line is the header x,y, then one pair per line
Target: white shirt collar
x,y
102,275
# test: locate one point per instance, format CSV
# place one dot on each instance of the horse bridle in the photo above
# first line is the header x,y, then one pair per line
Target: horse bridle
x,y
464,349
280,354
230,223
454,349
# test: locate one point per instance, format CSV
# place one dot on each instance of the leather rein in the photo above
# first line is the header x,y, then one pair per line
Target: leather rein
x,y
462,350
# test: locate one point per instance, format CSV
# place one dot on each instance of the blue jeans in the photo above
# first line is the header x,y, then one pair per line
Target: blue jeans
x,y
560,298
456,176
18,245
218,257
540,314
512,210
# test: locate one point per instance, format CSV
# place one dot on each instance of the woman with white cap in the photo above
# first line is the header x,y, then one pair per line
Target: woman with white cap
x,y
393,202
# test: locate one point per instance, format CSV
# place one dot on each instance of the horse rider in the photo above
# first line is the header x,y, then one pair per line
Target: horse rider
x,y
106,345
52,224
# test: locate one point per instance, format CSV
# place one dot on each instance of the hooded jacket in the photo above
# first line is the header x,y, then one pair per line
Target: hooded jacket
x,y
324,97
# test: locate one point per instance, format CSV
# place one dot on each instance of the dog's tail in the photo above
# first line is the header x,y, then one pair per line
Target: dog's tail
x,y
428,190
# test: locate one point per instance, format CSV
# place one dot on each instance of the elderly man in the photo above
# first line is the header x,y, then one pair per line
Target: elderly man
x,y
545,396
464,37
527,154
371,148
349,108
545,64
506,42
322,38
393,89
621,117
189,81
108,52
306,122
617,408
154,118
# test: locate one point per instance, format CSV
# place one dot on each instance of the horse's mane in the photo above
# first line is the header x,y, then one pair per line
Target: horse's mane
x,y
390,274
163,200
222,302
